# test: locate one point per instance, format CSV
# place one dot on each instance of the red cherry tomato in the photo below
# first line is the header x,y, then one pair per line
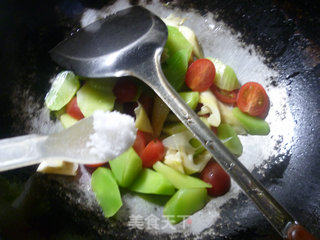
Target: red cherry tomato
x,y
253,99
140,143
125,90
229,97
152,153
265,113
73,109
200,75
217,177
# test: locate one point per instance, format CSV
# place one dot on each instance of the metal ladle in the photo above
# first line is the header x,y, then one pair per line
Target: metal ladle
x,y
130,43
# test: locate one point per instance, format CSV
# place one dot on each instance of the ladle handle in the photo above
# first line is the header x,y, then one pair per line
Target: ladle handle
x,y
150,72
20,151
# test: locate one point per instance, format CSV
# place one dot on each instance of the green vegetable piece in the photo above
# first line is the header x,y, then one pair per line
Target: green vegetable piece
x,y
90,99
106,190
179,180
191,98
126,167
102,84
230,138
175,67
172,118
198,146
57,114
63,88
184,203
67,121
225,78
176,42
174,128
142,120
253,125
151,182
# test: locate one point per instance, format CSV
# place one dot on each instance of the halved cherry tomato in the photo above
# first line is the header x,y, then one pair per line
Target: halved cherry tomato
x,y
217,177
140,142
200,75
265,113
73,110
253,99
125,90
152,153
229,97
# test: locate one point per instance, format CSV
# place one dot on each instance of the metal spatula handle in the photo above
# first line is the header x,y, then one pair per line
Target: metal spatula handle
x,y
151,73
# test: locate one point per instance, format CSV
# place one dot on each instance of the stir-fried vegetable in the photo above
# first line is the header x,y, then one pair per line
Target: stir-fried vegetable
x,y
159,114
151,182
178,179
228,117
217,177
106,190
197,162
73,109
191,98
173,159
253,125
140,142
67,120
229,97
210,107
225,77
198,146
176,41
175,67
90,99
186,32
153,152
174,128
126,167
63,88
191,37
253,99
230,139
142,120
200,75
184,203
210,88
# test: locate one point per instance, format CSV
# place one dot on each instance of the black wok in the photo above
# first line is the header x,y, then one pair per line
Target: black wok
x,y
285,33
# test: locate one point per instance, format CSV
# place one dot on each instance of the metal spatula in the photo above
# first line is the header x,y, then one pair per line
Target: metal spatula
x,y
130,42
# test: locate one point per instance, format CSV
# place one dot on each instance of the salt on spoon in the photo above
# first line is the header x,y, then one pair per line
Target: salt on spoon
x,y
114,132
92,140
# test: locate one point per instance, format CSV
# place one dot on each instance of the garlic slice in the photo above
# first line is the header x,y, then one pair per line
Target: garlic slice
x,y
58,167
210,106
173,159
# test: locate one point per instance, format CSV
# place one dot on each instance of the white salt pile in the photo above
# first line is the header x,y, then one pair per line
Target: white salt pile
x,y
114,133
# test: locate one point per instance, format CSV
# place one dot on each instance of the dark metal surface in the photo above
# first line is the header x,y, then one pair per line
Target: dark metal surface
x,y
286,33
